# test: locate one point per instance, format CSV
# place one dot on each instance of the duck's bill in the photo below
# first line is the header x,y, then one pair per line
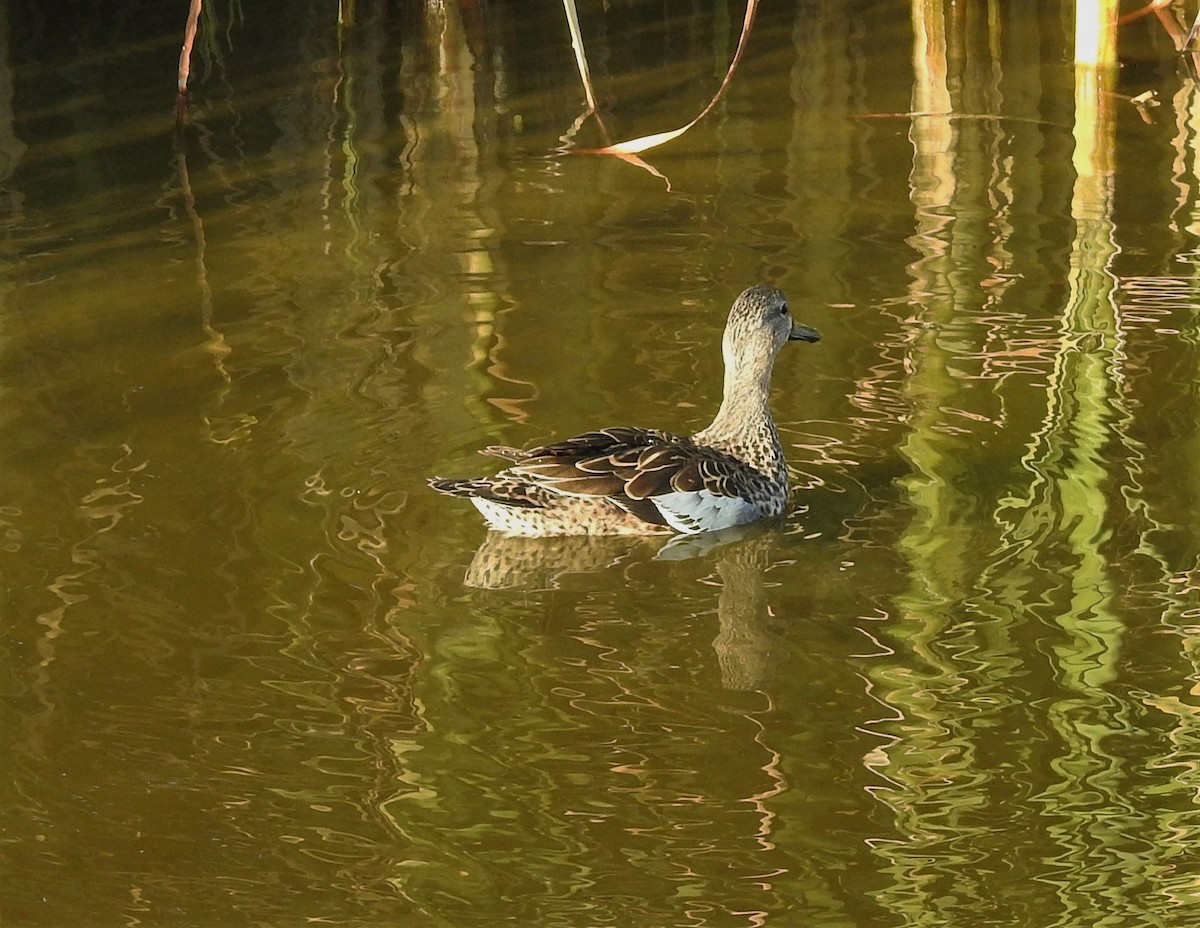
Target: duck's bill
x,y
802,333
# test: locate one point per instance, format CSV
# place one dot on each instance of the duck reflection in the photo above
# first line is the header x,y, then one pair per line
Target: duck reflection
x,y
746,650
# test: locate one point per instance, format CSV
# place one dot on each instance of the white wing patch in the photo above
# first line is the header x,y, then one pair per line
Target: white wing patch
x,y
703,511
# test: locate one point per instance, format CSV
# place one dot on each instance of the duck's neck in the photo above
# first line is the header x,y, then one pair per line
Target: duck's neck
x,y
743,425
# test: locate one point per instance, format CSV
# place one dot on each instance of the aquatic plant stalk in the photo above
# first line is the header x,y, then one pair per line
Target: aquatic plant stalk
x,y
646,142
585,76
1154,6
189,39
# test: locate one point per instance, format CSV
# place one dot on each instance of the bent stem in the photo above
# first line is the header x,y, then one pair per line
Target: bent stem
x,y
646,142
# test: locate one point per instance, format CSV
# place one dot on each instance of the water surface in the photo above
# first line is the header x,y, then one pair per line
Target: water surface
x,y
255,673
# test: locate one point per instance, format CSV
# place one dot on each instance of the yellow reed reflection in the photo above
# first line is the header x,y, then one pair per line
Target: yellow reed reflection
x,y
959,629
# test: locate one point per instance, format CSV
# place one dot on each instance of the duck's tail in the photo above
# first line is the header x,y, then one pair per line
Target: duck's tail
x,y
495,489
456,487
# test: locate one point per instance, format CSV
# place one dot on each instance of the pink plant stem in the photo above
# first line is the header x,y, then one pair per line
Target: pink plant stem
x,y
189,37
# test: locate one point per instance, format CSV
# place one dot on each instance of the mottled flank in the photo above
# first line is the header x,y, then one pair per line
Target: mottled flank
x,y
635,481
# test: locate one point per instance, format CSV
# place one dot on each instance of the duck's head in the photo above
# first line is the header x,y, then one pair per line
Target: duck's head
x,y
760,322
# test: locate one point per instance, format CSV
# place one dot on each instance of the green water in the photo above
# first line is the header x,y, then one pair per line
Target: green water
x,y
255,673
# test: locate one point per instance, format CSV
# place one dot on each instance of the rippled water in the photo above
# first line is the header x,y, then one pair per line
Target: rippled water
x,y
254,672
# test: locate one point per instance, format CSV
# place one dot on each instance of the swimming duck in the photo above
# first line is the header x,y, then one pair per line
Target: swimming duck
x,y
636,481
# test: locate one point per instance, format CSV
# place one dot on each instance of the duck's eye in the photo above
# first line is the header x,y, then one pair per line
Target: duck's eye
x,y
783,309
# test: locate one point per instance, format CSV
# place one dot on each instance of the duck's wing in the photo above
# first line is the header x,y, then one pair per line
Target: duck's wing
x,y
592,464
634,464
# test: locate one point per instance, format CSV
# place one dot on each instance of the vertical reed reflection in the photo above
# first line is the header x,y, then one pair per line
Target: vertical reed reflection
x,y
930,766
1064,517
975,592
1169,576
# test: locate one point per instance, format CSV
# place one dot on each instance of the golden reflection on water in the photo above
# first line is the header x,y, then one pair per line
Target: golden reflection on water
x,y
254,672
941,776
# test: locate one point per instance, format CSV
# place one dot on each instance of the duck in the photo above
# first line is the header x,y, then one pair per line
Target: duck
x,y
625,480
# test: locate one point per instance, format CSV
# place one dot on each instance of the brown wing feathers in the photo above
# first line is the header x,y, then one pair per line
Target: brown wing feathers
x,y
625,462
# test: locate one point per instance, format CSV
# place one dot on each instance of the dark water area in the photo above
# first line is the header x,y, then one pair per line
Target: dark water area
x,y
254,672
